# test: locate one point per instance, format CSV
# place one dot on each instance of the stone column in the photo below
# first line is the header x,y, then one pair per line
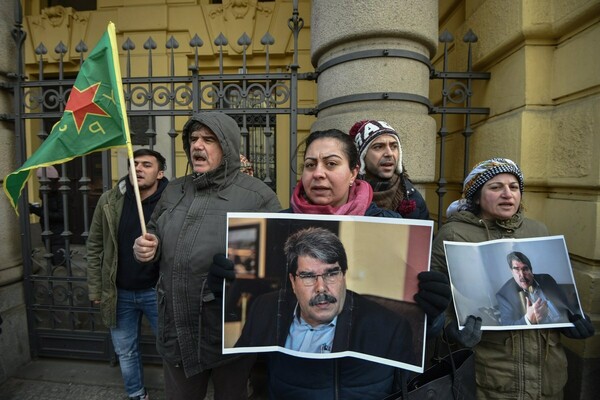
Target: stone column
x,y
372,60
14,345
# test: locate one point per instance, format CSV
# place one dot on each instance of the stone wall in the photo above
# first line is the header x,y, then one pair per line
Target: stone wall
x,y
544,96
14,344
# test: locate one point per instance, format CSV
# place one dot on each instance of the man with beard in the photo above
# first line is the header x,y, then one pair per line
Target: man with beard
x,y
381,165
122,287
321,315
531,299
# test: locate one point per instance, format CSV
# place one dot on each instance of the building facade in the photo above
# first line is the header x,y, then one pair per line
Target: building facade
x,y
356,60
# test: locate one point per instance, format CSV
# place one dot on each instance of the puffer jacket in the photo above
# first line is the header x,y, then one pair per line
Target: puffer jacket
x,y
190,223
103,247
518,364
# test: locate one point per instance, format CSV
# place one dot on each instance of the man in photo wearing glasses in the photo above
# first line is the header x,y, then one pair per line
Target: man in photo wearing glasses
x,y
316,313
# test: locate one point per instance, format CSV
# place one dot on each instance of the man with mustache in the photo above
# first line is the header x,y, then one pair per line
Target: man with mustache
x,y
121,286
186,235
321,315
381,165
531,299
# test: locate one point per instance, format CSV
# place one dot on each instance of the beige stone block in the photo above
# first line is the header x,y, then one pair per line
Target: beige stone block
x,y
576,64
497,23
538,69
155,18
499,137
587,280
536,125
506,89
579,221
534,200
574,144
567,15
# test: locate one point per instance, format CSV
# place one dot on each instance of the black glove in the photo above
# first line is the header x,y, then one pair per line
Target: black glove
x,y
434,293
221,268
35,209
583,327
469,336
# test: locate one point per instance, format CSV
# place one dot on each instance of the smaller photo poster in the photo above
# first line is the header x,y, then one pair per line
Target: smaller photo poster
x,y
513,283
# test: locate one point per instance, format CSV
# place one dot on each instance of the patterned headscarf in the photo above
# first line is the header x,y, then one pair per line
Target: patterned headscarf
x,y
486,170
481,173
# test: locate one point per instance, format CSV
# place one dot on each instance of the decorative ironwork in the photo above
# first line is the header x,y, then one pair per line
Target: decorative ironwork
x,y
457,89
55,273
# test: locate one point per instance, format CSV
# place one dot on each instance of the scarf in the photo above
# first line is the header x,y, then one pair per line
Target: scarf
x,y
387,193
359,200
391,194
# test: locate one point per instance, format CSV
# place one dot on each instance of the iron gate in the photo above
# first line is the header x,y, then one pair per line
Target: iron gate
x,y
62,321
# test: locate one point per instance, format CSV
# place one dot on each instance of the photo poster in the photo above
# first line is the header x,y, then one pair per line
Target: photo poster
x,y
484,285
384,257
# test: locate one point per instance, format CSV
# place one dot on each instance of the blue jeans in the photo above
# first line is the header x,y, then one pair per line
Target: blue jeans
x,y
131,305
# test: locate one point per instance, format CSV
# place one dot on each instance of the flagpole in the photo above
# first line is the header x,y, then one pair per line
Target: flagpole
x,y
136,189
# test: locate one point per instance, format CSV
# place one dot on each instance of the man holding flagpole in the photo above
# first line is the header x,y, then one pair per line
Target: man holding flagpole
x,y
122,287
186,235
94,119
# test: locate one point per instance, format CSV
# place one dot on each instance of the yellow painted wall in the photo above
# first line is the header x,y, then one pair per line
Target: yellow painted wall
x,y
161,19
544,98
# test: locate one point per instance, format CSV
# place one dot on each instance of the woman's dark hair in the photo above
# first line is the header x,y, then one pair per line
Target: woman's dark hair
x,y
348,145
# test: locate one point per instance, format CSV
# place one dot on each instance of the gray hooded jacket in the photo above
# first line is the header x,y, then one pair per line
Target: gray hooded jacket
x,y
190,221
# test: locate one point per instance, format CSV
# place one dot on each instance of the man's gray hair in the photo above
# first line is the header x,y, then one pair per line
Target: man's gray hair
x,y
317,243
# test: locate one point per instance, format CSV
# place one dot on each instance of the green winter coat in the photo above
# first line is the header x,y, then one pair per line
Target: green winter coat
x,y
102,251
518,364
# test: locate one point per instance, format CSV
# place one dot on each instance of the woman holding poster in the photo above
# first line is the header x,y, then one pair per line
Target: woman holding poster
x,y
329,185
514,363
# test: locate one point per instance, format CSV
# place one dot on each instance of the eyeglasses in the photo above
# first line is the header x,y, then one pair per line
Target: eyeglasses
x,y
328,277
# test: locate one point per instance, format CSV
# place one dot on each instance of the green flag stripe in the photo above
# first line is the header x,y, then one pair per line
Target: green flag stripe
x,y
95,118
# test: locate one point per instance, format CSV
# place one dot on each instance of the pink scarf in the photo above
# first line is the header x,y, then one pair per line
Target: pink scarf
x,y
359,200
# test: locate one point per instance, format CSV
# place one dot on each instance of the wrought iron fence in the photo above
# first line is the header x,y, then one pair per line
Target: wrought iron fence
x,y
62,321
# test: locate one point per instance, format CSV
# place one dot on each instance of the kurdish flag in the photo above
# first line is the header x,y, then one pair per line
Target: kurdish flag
x,y
94,118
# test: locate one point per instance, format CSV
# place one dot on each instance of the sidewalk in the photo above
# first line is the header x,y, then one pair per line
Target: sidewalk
x,y
58,379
